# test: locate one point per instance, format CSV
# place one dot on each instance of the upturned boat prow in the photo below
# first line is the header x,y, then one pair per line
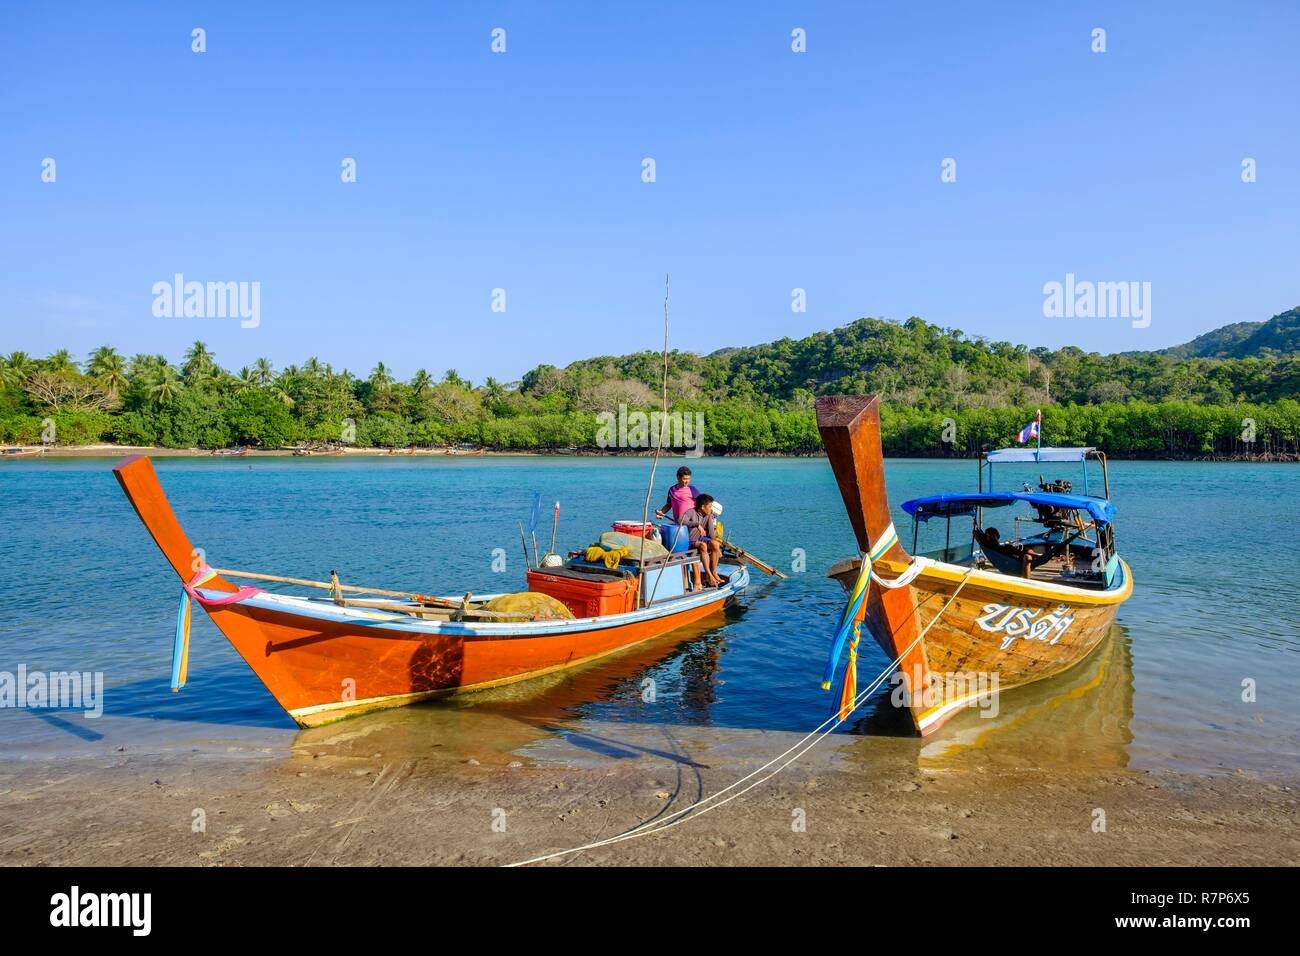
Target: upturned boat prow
x,y
328,658
984,616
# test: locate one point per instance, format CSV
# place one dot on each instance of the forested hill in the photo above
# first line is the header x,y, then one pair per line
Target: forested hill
x,y
1280,335
919,365
756,399
1218,343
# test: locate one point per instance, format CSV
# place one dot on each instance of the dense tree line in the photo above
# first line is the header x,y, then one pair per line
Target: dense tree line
x,y
943,392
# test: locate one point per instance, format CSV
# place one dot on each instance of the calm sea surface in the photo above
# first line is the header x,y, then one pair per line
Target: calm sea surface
x,y
82,587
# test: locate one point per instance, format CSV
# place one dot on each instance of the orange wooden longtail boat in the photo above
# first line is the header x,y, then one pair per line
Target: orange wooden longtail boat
x,y
1000,613
324,659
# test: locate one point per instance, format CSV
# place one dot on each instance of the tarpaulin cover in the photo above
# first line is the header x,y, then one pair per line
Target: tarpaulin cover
x,y
951,505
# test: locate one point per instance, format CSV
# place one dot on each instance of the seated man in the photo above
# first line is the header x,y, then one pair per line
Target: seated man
x,y
702,526
990,540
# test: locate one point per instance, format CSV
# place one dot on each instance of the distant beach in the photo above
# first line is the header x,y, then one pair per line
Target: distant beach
x,y
352,451
116,451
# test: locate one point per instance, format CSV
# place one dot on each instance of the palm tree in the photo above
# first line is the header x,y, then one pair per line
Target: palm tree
x,y
60,361
16,368
285,398
265,371
199,363
166,383
107,366
380,378
312,367
246,380
421,381
138,365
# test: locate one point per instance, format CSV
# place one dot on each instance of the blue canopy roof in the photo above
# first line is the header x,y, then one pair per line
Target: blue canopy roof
x,y
951,505
1038,454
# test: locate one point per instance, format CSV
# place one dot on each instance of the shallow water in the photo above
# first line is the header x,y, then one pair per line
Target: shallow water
x,y
83,588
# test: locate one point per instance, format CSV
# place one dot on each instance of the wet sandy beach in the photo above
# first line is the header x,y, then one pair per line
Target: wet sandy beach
x,y
496,790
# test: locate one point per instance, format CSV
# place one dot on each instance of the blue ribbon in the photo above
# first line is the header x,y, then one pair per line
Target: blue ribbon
x,y
180,647
860,589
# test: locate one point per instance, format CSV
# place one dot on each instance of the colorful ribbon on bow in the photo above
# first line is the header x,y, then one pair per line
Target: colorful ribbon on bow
x,y
181,645
850,627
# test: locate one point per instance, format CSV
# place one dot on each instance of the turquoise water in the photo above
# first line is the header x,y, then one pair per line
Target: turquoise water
x,y
82,587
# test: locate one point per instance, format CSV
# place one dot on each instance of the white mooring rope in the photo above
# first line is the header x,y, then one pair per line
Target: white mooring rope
x,y
810,740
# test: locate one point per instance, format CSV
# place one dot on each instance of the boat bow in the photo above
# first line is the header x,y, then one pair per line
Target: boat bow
x,y
850,430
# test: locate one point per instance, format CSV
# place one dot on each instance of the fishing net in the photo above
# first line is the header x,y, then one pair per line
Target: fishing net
x,y
613,540
530,606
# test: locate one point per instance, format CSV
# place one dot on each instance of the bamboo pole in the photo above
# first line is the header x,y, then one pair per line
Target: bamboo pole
x,y
349,588
523,539
463,606
642,598
555,526
734,550
420,610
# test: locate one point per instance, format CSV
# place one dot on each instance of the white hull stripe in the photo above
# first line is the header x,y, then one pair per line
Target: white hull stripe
x,y
998,581
943,711
379,620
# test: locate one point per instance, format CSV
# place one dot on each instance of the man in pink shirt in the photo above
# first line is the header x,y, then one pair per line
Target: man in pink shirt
x,y
681,496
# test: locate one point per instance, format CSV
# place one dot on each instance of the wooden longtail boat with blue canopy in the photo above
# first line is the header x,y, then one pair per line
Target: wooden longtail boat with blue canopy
x,y
328,658
991,609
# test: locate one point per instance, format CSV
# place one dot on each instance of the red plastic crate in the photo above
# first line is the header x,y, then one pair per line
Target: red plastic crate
x,y
587,598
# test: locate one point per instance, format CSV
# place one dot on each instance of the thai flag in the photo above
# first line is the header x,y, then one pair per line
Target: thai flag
x,y
1031,430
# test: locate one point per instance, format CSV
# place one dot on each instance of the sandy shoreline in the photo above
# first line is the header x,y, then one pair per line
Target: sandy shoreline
x,y
376,791
122,451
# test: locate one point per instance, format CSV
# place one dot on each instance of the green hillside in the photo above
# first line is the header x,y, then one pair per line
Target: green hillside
x,y
755,399
1280,335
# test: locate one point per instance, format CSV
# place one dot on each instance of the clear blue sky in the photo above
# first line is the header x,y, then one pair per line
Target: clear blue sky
x,y
523,171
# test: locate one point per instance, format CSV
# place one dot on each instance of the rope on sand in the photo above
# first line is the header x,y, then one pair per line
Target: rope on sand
x,y
810,740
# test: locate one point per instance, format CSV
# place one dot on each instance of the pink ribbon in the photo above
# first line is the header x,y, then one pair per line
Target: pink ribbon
x,y
205,573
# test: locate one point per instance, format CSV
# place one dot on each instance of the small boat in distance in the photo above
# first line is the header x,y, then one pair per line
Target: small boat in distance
x,y
20,452
319,451
985,614
229,452
325,658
